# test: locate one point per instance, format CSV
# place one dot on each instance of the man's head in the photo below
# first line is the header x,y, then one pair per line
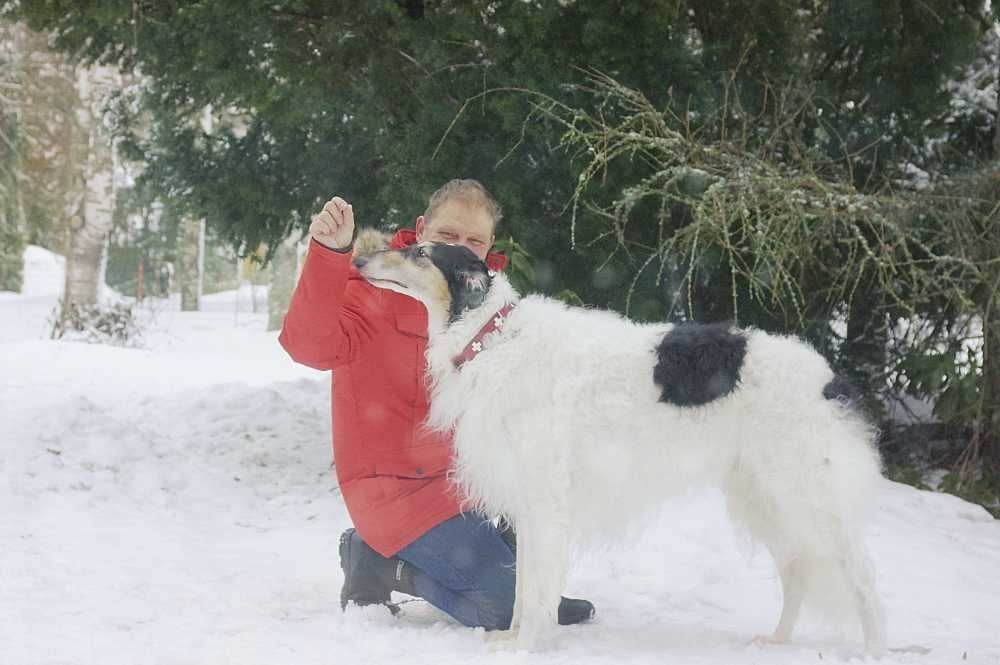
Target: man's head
x,y
448,278
463,213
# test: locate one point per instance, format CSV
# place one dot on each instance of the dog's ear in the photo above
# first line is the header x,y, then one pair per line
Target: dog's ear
x,y
370,241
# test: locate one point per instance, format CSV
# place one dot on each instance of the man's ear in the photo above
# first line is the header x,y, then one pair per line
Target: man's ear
x,y
419,227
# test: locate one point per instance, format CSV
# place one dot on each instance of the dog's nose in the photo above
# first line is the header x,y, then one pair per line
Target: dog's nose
x,y
360,261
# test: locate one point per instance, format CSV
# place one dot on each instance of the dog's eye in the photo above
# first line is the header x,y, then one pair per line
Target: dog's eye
x,y
421,253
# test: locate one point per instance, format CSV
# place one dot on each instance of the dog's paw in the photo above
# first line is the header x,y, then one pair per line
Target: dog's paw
x,y
535,638
501,640
764,640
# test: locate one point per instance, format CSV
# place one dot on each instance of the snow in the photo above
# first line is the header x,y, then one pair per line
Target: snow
x,y
174,504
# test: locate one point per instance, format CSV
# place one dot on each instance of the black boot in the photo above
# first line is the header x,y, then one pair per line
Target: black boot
x,y
574,610
571,610
369,577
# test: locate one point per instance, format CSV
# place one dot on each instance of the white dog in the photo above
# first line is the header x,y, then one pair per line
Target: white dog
x,y
569,420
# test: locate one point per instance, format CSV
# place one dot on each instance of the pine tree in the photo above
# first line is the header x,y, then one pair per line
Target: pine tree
x,y
12,235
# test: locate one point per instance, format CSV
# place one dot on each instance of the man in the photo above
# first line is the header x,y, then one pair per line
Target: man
x,y
411,535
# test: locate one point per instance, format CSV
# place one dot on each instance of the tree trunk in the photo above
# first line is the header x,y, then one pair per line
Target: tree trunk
x,y
91,216
47,105
284,269
989,428
191,262
11,228
996,117
863,352
11,247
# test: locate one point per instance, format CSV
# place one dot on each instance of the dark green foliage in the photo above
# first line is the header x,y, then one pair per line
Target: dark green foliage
x,y
984,490
906,474
315,98
355,100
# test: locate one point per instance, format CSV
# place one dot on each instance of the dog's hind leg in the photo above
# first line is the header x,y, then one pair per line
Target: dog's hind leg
x,y
858,573
754,507
792,591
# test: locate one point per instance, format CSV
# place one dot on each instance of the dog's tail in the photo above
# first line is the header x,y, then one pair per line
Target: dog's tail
x,y
698,363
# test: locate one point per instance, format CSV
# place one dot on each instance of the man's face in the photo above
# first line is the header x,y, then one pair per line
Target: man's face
x,y
457,223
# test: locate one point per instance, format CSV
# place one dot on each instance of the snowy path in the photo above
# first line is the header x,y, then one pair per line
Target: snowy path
x,y
175,505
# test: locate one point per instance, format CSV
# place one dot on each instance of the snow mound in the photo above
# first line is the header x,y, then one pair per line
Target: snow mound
x,y
44,272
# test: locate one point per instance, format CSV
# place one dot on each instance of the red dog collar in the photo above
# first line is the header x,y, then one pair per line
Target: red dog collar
x,y
473,348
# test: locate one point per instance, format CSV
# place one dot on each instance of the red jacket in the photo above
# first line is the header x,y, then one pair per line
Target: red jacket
x,y
391,470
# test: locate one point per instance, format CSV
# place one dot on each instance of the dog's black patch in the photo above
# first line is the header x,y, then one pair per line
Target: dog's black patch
x,y
468,278
841,389
697,363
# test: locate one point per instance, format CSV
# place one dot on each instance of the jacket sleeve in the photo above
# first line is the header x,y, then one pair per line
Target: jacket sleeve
x,y
330,318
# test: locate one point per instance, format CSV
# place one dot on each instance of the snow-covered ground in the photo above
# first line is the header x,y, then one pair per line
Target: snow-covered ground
x,y
174,504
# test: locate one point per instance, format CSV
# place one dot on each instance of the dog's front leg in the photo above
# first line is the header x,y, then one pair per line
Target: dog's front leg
x,y
543,549
515,621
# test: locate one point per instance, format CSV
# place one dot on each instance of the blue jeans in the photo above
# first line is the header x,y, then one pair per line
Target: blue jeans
x,y
465,569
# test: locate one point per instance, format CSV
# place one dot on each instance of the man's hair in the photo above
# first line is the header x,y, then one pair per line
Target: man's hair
x,y
470,192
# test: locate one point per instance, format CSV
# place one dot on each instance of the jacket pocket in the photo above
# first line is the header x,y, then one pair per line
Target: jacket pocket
x,y
417,462
414,325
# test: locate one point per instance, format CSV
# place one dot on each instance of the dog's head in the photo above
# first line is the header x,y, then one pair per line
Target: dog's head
x,y
448,279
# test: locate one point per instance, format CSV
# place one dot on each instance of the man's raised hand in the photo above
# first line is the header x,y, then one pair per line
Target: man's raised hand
x,y
334,225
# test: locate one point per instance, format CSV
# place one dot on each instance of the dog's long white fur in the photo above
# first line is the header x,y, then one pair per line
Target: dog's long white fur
x,y
557,425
